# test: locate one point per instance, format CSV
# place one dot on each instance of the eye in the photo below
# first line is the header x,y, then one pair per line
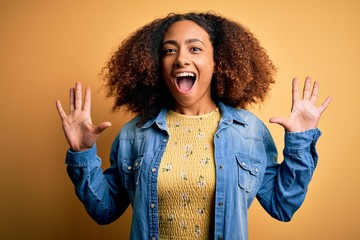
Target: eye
x,y
196,49
168,51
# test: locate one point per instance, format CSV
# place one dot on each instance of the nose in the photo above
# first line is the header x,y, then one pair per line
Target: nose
x,y
182,59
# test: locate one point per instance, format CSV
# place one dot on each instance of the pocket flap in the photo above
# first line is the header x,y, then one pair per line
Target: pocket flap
x,y
248,163
131,164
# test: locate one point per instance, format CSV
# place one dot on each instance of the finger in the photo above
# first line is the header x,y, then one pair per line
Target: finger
x,y
280,121
295,90
87,100
307,87
314,92
101,127
71,99
60,110
277,120
325,104
78,96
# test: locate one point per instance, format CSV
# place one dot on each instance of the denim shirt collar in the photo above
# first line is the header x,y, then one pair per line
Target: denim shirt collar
x,y
229,115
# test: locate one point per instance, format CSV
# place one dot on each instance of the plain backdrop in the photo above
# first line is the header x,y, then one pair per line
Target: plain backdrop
x,y
45,46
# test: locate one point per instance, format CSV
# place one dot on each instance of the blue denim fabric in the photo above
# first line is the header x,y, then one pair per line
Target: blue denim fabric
x,y
246,167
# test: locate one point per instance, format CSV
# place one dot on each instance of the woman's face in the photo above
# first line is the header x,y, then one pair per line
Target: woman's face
x,y
188,66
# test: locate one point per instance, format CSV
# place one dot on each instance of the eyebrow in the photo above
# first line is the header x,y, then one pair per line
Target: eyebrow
x,y
187,41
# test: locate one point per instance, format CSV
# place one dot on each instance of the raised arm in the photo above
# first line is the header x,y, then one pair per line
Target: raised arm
x,y
304,114
285,185
100,192
79,131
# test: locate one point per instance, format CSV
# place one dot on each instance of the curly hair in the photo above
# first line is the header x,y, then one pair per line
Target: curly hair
x,y
242,75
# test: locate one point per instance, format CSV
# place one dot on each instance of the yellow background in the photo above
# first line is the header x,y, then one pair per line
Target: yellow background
x,y
48,45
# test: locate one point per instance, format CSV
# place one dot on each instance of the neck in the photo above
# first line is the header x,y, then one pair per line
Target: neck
x,y
195,110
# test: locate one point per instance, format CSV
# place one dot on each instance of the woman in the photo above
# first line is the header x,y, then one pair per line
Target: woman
x,y
194,159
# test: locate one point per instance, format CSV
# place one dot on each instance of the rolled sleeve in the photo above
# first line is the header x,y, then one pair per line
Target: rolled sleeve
x,y
81,159
300,142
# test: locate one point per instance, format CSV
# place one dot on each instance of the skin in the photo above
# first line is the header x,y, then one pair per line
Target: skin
x,y
305,115
186,48
79,131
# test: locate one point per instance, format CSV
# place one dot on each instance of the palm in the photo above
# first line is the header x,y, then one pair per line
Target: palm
x,y
77,125
79,130
305,114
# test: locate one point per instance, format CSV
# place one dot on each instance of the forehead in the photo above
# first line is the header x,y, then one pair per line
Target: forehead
x,y
186,29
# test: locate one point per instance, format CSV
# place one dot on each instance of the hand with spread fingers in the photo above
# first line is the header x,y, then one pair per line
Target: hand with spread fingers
x,y
79,131
304,114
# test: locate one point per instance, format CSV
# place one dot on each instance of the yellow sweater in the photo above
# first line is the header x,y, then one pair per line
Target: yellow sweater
x,y
186,180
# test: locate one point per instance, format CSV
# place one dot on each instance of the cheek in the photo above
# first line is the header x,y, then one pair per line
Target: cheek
x,y
209,63
163,69
165,66
210,67
165,73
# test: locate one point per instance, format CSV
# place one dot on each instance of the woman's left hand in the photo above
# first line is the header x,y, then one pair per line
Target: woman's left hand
x,y
304,114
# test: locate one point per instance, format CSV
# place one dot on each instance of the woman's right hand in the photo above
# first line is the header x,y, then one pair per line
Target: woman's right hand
x,y
79,131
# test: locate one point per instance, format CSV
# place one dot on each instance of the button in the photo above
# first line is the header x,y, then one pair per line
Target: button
x,y
221,166
153,169
165,140
136,164
220,238
220,204
129,167
152,205
243,163
256,170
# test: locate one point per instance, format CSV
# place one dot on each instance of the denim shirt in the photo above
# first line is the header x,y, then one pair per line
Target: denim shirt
x,y
246,167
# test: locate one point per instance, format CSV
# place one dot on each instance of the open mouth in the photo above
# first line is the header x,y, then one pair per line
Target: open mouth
x,y
185,81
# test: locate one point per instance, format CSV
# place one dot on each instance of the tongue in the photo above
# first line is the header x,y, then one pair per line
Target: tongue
x,y
185,83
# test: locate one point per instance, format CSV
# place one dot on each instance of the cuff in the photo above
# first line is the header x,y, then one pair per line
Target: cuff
x,y
81,159
300,143
301,140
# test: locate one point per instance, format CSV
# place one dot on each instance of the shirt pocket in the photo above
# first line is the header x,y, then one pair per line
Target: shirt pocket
x,y
131,168
248,171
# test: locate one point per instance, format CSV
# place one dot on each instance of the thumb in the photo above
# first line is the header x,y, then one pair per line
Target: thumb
x,y
281,121
277,120
102,126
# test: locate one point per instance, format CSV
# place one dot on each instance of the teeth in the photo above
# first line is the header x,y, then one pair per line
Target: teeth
x,y
185,74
